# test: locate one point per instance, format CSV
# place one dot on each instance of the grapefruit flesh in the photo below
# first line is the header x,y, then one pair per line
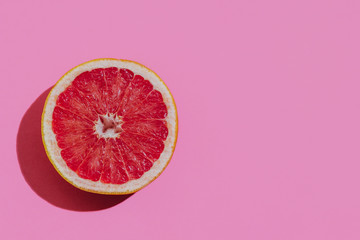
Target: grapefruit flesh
x,y
106,124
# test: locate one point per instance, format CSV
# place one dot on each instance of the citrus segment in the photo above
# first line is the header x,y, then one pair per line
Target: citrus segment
x,y
114,167
147,127
136,93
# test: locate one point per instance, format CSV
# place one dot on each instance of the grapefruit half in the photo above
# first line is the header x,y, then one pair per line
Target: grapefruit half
x,y
109,126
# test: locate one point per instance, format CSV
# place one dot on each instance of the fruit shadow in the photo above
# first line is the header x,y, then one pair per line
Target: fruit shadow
x,y
41,175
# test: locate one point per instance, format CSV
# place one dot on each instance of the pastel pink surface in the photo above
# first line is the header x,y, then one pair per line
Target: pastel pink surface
x,y
269,111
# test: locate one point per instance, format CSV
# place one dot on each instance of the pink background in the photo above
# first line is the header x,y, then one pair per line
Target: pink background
x,y
269,111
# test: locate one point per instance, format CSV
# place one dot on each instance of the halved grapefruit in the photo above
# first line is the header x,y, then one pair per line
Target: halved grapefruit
x,y
109,126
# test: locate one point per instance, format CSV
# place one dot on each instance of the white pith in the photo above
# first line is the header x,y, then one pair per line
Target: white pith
x,y
110,132
53,150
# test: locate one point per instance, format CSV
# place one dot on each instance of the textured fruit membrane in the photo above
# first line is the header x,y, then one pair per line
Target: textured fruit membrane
x,y
110,125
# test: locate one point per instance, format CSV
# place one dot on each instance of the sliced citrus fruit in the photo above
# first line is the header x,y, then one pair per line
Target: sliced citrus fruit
x,y
109,126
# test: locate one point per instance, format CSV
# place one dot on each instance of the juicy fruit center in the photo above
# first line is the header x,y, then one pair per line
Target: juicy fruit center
x,y
108,126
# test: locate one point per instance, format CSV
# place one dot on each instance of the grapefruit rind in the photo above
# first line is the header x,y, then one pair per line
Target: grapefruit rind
x,y
53,151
